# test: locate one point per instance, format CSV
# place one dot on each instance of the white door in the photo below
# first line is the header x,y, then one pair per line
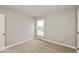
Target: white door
x,y
2,32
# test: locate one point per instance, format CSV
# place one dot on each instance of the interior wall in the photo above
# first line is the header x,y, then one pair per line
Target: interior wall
x,y
78,27
19,27
61,27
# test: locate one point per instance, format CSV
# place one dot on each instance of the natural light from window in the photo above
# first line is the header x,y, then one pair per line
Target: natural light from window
x,y
40,28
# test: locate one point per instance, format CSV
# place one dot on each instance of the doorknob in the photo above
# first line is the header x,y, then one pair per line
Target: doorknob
x,y
3,34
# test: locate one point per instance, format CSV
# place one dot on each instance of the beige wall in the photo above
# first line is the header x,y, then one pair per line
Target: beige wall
x,y
61,27
18,26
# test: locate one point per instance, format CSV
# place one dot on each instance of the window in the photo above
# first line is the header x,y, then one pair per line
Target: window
x,y
40,28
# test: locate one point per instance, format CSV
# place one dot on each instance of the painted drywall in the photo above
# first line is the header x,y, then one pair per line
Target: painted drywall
x,y
78,27
19,27
61,27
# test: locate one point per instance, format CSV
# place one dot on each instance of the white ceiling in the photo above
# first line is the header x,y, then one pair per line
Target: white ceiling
x,y
38,10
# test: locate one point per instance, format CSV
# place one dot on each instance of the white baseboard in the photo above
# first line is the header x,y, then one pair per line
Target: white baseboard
x,y
56,42
18,43
41,39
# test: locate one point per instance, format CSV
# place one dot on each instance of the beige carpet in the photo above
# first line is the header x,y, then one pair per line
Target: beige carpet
x,y
38,46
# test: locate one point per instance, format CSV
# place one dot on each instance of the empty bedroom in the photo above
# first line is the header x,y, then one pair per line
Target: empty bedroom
x,y
39,29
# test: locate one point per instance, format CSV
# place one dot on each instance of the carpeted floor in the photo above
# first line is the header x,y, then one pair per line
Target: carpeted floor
x,y
38,46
